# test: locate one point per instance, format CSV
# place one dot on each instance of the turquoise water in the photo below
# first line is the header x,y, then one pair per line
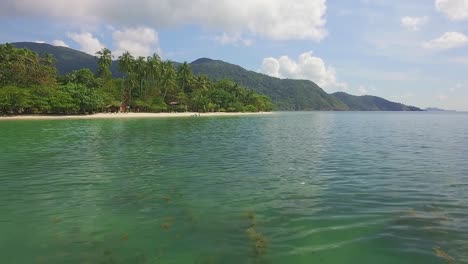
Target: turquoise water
x,y
313,187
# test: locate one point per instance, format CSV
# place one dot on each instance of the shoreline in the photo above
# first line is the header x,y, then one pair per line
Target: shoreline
x,y
125,116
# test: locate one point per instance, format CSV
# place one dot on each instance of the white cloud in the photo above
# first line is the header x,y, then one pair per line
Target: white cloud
x,y
235,39
88,43
271,66
273,19
362,90
306,67
414,23
448,40
39,41
139,41
59,43
453,9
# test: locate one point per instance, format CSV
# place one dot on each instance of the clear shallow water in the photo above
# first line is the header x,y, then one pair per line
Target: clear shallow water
x,y
318,187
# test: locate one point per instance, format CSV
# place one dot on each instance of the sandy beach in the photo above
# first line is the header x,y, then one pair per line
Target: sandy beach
x,y
123,116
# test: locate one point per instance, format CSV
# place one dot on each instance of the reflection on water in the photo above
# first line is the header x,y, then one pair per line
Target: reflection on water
x,y
282,188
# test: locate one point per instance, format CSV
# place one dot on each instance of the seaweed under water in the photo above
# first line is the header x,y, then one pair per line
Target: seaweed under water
x,y
444,255
167,223
258,240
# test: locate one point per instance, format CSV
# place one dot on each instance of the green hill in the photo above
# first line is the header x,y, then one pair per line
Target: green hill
x,y
371,103
68,59
287,94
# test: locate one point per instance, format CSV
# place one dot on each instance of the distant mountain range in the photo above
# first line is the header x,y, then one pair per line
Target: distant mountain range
x,y
371,103
435,109
287,94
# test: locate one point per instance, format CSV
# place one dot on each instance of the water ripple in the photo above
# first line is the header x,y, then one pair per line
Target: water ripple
x,y
308,187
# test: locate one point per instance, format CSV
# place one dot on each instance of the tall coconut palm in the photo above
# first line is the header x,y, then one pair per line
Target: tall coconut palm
x,y
104,63
168,77
141,71
126,66
154,69
202,83
184,76
126,63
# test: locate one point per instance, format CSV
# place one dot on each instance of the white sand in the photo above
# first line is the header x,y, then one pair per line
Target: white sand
x,y
122,115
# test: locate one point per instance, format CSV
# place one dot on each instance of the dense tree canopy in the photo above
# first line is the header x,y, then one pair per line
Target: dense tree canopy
x,y
29,85
23,67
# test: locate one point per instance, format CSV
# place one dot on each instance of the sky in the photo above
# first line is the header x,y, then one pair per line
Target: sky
x,y
414,52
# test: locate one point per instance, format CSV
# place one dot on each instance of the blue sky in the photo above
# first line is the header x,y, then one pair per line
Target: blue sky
x,y
415,52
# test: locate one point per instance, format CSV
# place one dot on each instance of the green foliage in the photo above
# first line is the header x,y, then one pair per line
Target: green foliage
x,y
177,89
250,108
36,100
62,102
158,105
88,100
14,100
104,64
163,79
149,85
67,59
83,76
286,94
23,67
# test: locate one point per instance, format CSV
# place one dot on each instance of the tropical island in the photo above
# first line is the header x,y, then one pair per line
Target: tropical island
x,y
42,79
29,84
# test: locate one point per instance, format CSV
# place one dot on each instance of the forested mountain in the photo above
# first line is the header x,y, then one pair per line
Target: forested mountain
x,y
67,60
371,103
286,94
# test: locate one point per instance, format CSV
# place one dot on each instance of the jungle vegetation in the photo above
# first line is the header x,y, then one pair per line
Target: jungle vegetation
x,y
286,94
29,84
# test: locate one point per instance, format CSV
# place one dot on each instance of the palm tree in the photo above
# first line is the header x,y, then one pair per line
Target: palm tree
x,y
49,60
168,76
126,63
154,69
126,66
141,73
184,75
202,83
104,63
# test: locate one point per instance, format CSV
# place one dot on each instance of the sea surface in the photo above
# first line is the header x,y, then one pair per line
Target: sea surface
x,y
306,187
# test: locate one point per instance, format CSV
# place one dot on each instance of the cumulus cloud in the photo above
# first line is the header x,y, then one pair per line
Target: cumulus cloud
x,y
235,39
448,40
306,67
59,43
414,23
453,9
39,41
87,42
139,41
273,19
